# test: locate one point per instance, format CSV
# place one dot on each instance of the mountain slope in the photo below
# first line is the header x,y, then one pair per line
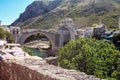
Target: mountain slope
x,y
35,9
83,12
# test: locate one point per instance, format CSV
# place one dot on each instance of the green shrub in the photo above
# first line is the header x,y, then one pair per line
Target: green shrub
x,y
6,35
91,56
2,34
26,50
9,37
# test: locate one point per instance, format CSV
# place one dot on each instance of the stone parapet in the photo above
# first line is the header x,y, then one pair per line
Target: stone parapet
x,y
34,68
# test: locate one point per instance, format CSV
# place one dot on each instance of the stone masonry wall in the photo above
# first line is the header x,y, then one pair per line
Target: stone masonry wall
x,y
34,68
13,71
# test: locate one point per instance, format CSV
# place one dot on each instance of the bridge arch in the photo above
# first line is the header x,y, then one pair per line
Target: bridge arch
x,y
50,36
36,37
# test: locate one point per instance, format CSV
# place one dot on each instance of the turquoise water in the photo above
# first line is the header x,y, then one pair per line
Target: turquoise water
x,y
36,52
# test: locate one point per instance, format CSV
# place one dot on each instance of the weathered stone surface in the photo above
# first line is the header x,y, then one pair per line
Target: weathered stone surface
x,y
34,68
52,60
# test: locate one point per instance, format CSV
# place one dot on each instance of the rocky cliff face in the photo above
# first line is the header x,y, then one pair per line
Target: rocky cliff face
x,y
37,8
33,10
45,13
54,4
41,7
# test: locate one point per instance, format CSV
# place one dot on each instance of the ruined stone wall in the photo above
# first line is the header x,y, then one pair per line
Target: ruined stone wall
x,y
38,69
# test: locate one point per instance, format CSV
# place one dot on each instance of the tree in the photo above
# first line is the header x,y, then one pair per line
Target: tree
x,y
2,34
6,35
91,56
9,37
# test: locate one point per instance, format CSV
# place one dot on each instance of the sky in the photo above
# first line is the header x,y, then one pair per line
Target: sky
x,y
11,9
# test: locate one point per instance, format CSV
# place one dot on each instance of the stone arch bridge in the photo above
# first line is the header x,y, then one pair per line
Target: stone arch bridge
x,y
64,33
52,37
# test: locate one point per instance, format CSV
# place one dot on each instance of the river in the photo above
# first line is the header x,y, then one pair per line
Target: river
x,y
36,52
33,45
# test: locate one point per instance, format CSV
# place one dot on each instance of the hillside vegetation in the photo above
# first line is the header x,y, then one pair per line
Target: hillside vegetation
x,y
83,12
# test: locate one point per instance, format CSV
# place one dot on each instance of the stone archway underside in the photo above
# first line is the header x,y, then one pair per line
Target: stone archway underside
x,y
50,36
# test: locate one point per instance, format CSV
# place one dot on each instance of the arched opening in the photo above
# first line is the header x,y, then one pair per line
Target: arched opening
x,y
39,42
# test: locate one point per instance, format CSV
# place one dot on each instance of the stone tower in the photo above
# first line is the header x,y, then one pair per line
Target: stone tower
x,y
69,25
16,31
66,31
